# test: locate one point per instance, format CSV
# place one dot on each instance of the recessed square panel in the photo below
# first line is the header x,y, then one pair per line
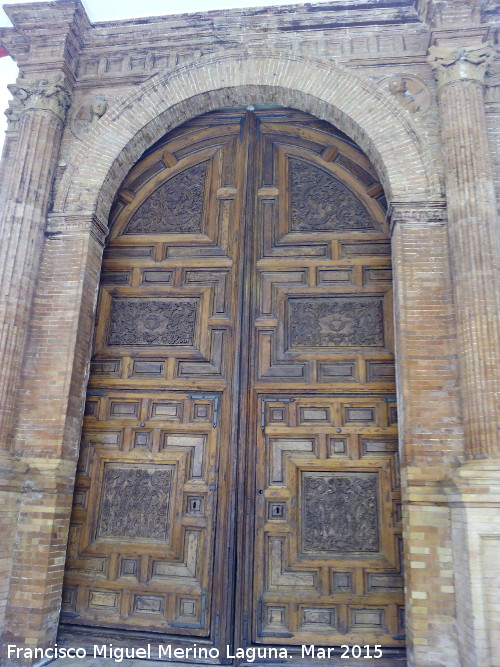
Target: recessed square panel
x,y
337,446
135,502
339,513
342,582
316,619
106,600
148,604
129,567
367,618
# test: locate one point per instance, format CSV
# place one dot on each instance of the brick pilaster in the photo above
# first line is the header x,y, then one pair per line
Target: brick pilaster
x,y
23,226
429,425
473,237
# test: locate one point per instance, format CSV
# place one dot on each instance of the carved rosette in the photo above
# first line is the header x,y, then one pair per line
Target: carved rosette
x,y
464,63
52,94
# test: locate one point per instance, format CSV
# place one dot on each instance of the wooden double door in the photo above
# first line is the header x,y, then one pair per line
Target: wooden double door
x,y
238,475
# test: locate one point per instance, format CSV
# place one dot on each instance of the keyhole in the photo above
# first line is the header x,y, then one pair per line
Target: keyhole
x,y
195,505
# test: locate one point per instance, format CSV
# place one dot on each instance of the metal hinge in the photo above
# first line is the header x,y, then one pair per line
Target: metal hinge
x,y
215,398
216,629
263,407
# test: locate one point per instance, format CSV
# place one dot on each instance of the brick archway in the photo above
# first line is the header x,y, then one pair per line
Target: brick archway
x,y
357,106
71,262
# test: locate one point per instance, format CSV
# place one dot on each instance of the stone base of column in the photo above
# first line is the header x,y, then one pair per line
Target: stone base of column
x,y
430,593
13,473
474,498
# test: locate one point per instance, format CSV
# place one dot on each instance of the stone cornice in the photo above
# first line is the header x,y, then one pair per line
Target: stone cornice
x,y
451,63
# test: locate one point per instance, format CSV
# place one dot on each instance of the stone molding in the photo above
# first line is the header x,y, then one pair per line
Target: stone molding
x,y
416,213
475,483
79,224
52,94
452,64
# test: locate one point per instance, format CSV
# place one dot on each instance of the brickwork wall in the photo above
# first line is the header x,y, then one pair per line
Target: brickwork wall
x,y
344,65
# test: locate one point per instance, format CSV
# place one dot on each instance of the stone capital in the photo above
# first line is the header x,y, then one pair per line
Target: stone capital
x,y
464,63
52,94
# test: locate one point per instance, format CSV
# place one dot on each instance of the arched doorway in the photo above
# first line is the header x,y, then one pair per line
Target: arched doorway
x,y
241,408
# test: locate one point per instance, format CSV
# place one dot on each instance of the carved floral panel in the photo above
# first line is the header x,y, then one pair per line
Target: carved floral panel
x,y
339,512
152,322
176,206
320,202
336,321
135,502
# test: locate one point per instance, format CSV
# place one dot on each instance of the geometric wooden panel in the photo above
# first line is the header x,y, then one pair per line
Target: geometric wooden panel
x,y
328,532
142,525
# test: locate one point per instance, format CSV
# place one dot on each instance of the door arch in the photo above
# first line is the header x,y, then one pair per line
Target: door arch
x,y
243,352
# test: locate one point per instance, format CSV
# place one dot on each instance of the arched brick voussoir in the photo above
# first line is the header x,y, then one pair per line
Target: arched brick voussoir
x,y
357,106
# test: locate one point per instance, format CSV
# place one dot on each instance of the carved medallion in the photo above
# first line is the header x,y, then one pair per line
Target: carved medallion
x,y
152,322
336,321
176,206
409,90
339,512
135,502
87,115
319,202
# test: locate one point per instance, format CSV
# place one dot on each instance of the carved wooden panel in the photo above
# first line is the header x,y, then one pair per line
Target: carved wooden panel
x,y
135,502
334,322
320,202
339,512
152,322
176,206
